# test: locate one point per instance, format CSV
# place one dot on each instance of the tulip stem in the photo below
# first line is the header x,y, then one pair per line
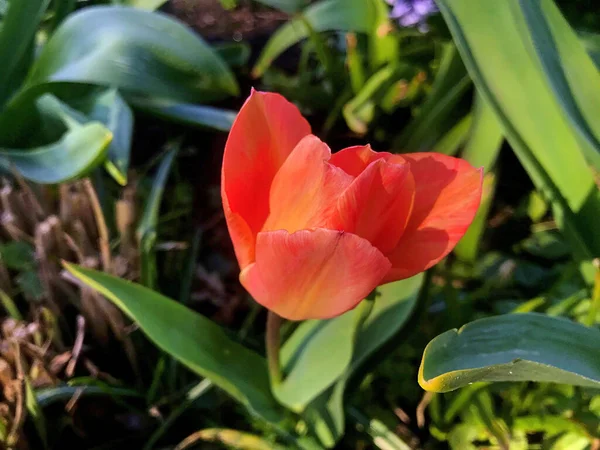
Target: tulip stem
x,y
272,344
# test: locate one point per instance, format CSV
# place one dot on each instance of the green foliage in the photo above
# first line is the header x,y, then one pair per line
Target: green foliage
x,y
112,47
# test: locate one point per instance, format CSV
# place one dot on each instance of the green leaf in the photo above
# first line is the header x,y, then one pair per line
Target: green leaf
x,y
235,54
136,51
17,255
48,396
230,438
148,5
437,113
326,15
16,37
513,347
192,339
314,357
450,143
76,153
468,247
485,138
186,113
146,230
391,309
288,6
509,78
110,109
568,70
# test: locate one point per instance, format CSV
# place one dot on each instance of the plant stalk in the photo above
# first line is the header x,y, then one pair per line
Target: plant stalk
x,y
272,344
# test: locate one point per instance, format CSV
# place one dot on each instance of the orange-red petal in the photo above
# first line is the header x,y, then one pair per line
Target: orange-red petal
x,y
306,188
264,133
447,195
377,205
353,160
313,274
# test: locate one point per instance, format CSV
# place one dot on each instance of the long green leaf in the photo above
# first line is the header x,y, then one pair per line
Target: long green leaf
x,y
134,50
392,308
314,357
146,230
513,347
192,339
568,70
437,113
326,15
77,152
509,78
16,37
110,109
186,113
485,137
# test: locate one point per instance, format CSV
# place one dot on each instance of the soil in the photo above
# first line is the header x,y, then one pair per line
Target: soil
x,y
247,21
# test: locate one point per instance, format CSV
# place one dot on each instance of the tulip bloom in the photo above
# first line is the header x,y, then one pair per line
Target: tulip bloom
x,y
315,233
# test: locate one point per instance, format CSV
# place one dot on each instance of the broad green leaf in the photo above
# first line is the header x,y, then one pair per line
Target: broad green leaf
x,y
134,50
391,309
76,153
186,113
569,71
17,34
325,15
438,112
314,357
513,347
393,306
146,230
192,339
509,78
110,109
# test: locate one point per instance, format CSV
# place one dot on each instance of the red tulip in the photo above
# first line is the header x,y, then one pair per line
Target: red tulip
x,y
315,233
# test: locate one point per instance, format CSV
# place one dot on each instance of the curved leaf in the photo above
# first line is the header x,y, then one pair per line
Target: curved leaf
x,y
569,71
16,37
110,109
391,309
513,347
134,50
78,151
326,15
192,339
316,355
186,113
508,77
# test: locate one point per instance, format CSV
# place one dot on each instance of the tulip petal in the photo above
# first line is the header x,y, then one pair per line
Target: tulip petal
x,y
313,274
264,133
306,188
354,160
377,205
447,195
